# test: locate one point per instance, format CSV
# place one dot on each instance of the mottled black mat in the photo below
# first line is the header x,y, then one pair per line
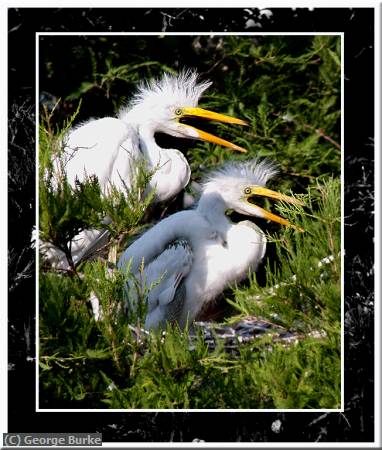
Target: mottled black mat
x,y
357,422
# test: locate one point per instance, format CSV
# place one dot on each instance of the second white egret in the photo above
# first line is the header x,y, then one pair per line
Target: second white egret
x,y
193,255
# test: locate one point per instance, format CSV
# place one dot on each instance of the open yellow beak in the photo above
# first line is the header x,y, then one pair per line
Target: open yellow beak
x,y
264,192
210,115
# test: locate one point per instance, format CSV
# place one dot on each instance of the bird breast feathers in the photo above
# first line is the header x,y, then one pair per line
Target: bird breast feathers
x,y
102,147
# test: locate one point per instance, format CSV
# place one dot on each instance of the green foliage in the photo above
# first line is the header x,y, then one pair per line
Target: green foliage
x,y
127,209
65,210
76,351
288,89
127,73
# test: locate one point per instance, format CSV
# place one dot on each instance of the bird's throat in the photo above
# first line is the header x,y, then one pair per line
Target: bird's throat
x,y
213,208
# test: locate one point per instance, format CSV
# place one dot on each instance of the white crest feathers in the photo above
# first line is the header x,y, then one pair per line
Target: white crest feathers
x,y
184,88
254,172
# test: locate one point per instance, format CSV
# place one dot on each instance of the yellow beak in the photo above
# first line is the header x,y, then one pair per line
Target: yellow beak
x,y
210,115
264,192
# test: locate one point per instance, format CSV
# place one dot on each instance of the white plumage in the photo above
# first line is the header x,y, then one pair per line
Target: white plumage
x,y
222,252
110,147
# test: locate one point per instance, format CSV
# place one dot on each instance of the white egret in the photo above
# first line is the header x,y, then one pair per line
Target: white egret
x,y
194,254
109,147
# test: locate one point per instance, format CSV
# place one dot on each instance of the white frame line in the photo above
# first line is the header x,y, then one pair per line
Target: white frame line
x,y
341,34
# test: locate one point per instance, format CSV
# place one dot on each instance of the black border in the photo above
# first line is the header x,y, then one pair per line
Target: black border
x,y
356,424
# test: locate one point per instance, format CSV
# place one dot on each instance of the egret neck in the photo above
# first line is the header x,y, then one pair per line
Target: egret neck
x,y
148,146
212,207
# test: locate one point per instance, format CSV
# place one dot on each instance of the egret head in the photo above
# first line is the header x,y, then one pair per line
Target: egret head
x,y
239,183
165,105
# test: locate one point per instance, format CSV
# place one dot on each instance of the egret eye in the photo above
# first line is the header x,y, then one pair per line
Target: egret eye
x,y
247,190
178,112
